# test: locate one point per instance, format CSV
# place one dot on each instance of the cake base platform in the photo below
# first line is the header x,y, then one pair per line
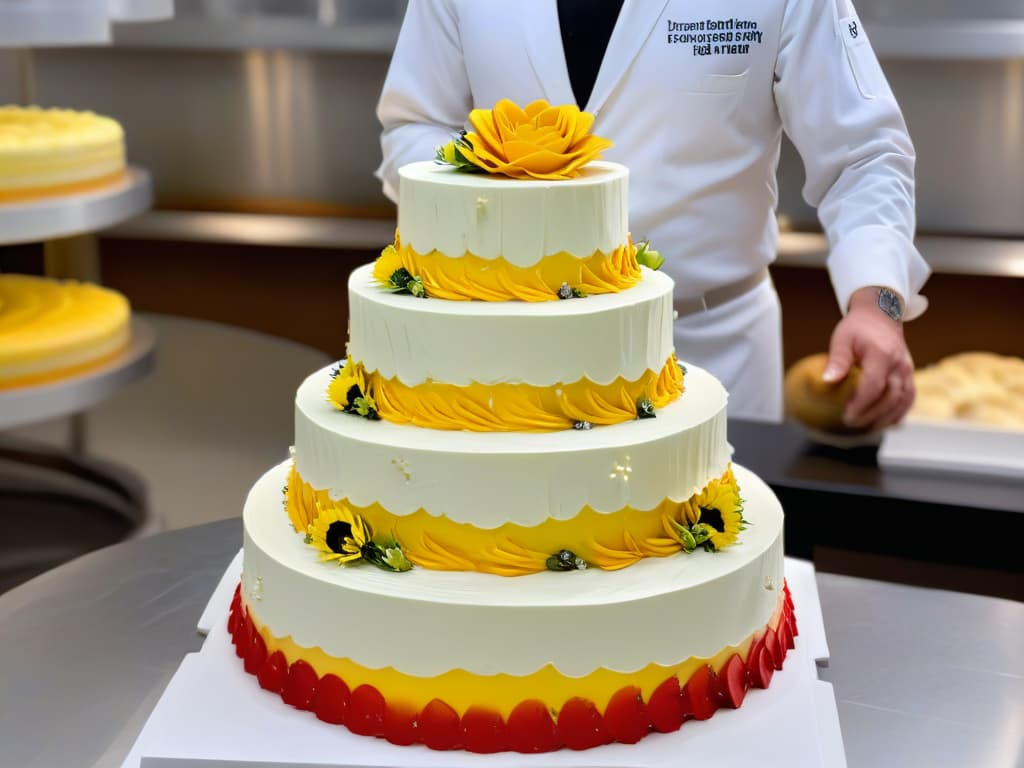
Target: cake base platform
x,y
214,715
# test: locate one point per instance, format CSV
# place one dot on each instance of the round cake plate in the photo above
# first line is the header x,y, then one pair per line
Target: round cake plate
x,y
25,405
68,215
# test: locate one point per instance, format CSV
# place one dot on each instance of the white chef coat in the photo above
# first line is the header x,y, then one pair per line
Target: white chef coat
x,y
695,94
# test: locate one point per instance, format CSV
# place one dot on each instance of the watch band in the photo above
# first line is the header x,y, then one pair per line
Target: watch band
x,y
889,302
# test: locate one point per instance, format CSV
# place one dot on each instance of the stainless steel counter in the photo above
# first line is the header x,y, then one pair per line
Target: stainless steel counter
x,y
922,677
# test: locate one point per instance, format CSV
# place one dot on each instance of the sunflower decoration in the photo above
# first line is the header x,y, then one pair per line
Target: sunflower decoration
x,y
391,272
344,537
349,392
712,518
338,533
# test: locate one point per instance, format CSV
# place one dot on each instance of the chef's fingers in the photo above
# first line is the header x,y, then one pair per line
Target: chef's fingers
x,y
840,355
899,409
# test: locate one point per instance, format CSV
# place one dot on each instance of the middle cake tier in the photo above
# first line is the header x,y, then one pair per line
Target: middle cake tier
x,y
505,502
509,366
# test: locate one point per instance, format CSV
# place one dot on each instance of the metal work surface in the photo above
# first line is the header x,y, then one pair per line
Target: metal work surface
x,y
922,677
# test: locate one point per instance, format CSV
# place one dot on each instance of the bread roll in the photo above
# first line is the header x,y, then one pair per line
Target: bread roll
x,y
815,402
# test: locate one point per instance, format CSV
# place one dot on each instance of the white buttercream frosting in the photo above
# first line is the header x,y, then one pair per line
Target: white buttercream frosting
x,y
491,478
521,220
557,342
661,610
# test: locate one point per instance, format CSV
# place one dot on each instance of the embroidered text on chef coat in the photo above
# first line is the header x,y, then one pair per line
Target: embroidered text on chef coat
x,y
715,37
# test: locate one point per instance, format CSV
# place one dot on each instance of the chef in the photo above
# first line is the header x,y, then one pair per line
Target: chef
x,y
696,94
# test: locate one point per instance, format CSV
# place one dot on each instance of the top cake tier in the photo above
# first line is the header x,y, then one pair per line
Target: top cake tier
x,y
477,236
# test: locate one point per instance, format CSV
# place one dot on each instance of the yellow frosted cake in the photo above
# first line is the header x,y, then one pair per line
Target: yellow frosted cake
x,y
564,556
50,152
51,329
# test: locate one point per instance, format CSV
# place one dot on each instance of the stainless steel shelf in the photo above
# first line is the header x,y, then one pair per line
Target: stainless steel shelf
x,y
258,229
261,32
26,405
949,255
948,39
46,23
68,215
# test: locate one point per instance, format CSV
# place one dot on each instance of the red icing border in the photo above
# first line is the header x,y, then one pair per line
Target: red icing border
x,y
530,727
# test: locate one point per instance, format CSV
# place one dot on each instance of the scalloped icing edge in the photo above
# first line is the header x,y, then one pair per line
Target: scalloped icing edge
x,y
469,277
508,407
609,541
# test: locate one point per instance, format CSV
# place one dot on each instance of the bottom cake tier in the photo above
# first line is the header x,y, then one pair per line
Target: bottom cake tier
x,y
532,663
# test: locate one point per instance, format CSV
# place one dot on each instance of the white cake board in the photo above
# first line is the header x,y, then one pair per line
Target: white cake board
x,y
214,715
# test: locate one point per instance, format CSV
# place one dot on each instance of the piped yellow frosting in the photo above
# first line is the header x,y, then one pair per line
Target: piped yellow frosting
x,y
469,277
609,541
509,407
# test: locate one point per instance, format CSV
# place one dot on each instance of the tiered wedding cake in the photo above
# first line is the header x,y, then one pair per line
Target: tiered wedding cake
x,y
502,462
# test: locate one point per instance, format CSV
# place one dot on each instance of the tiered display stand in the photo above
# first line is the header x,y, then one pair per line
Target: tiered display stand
x,y
92,502
86,503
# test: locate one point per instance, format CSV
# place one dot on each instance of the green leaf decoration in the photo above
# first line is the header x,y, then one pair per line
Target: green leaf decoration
x,y
387,557
683,536
396,560
450,154
366,407
645,409
400,279
702,533
403,282
415,287
566,291
647,256
565,560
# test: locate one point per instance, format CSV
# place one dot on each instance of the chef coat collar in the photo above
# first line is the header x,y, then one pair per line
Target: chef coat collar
x,y
635,24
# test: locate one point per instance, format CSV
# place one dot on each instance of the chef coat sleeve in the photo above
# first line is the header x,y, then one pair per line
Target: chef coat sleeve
x,y
837,108
426,94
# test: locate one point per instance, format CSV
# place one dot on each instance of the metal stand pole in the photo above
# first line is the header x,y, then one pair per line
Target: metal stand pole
x,y
75,258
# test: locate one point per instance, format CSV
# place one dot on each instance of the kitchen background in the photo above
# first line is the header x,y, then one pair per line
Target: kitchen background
x,y
256,121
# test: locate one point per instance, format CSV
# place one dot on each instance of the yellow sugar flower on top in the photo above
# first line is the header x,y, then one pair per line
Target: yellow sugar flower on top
x,y
338,533
540,141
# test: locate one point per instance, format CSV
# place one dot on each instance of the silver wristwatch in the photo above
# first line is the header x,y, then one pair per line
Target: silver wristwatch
x,y
889,302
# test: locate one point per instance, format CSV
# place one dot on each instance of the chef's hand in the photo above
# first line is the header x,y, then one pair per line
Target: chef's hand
x,y
870,338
